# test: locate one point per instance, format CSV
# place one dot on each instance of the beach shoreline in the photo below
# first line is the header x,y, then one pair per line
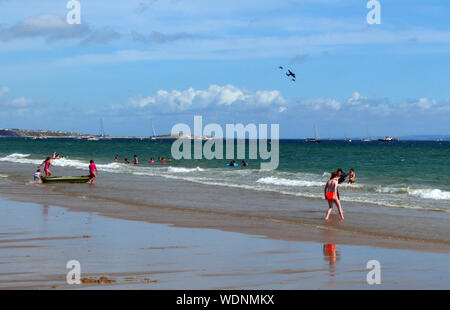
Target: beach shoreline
x,y
179,216
122,254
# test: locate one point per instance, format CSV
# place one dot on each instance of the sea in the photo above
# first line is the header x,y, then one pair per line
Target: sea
x,y
401,188
404,174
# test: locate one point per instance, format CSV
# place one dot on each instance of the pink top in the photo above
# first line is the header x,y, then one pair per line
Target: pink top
x,y
92,168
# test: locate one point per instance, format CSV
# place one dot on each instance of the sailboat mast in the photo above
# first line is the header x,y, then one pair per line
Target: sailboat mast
x,y
153,129
102,130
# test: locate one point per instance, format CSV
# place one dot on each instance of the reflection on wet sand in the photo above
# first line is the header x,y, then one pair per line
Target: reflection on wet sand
x,y
331,255
46,208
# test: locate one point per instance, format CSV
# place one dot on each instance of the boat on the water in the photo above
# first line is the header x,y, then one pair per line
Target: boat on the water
x,y
66,179
313,140
388,139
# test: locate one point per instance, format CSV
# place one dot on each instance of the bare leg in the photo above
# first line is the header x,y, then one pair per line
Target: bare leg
x,y
330,208
338,204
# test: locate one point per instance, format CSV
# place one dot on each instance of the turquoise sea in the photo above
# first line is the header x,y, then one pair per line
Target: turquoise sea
x,y
404,174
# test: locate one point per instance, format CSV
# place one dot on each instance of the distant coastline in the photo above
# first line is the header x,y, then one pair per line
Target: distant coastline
x,y
56,134
52,134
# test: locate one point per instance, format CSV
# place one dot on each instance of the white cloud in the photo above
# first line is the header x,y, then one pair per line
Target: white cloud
x,y
425,103
356,98
51,27
215,97
20,103
321,104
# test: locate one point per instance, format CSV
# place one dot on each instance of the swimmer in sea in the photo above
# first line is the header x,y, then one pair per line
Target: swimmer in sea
x,y
116,159
126,160
330,192
47,162
152,161
54,155
136,161
351,178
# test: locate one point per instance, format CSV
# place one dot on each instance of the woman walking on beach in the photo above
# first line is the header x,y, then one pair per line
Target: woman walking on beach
x,y
47,164
330,192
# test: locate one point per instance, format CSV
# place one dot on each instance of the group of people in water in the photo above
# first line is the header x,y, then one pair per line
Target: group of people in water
x,y
163,160
331,191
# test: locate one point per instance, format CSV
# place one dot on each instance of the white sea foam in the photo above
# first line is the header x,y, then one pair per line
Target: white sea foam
x,y
17,155
435,193
183,170
20,158
288,182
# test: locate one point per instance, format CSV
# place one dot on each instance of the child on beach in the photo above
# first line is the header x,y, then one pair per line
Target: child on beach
x,y
47,162
330,192
92,172
37,176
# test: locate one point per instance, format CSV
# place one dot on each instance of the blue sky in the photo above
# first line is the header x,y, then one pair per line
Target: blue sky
x,y
129,61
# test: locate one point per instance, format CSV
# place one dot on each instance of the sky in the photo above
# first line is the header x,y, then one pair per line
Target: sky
x,y
130,62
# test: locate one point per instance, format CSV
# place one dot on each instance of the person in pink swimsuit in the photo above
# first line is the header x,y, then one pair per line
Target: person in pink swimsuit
x,y
92,172
47,164
330,192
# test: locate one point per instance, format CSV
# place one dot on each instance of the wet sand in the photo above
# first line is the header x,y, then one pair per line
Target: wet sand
x,y
37,241
275,216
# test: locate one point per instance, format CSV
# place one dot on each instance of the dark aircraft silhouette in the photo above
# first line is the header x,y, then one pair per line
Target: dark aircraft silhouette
x,y
289,73
281,68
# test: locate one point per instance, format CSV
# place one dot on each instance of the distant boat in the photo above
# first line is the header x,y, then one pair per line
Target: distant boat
x,y
313,140
153,131
388,139
367,138
102,134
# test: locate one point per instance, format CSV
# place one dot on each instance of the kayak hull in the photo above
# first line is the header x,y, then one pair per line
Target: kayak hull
x,y
68,179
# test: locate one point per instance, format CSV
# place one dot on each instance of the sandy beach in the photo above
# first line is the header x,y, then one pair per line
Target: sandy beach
x,y
148,232
37,241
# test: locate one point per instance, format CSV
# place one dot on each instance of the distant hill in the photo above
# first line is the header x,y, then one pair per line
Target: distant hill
x,y
11,133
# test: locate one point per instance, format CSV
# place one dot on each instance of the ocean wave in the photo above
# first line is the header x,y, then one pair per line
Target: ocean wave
x,y
288,182
184,170
270,181
435,193
17,156
20,158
